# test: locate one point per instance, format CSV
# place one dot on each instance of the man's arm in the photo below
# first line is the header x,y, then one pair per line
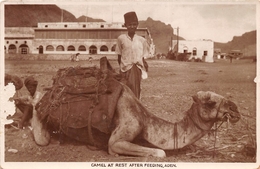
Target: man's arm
x,y
119,59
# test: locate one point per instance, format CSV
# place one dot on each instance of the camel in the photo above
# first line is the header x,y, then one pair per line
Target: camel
x,y
132,120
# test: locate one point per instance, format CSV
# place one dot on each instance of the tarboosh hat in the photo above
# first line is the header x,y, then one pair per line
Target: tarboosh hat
x,y
130,17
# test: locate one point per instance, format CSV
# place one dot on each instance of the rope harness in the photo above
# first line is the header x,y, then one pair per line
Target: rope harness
x,y
175,133
56,97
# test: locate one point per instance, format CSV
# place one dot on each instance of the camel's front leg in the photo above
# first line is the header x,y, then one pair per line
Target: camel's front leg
x,y
119,143
127,148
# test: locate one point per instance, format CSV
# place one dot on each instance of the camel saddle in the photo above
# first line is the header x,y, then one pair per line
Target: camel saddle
x,y
82,97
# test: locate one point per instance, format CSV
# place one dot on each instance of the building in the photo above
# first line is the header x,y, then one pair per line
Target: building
x,y
66,38
18,40
198,49
235,54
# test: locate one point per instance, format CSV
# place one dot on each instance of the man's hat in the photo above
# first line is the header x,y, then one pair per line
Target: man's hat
x,y
130,17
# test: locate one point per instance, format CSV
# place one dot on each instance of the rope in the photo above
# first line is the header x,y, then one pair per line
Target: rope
x,y
205,130
216,128
91,110
58,89
175,136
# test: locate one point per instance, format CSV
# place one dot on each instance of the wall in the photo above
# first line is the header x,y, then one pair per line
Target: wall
x,y
18,42
82,57
199,45
75,42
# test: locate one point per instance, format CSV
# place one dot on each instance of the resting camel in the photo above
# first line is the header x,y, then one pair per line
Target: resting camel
x,y
132,119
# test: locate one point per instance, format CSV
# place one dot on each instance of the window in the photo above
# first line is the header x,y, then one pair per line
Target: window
x,y
103,48
194,52
113,48
185,49
205,53
49,48
82,48
24,49
12,49
60,48
71,48
93,49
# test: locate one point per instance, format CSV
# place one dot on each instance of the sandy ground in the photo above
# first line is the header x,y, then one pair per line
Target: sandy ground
x,y
166,93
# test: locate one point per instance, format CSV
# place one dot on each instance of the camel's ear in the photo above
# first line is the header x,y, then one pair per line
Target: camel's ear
x,y
196,99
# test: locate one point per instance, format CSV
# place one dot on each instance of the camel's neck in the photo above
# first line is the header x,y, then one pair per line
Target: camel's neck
x,y
167,135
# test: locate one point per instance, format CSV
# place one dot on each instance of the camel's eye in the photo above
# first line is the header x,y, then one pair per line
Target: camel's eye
x,y
211,104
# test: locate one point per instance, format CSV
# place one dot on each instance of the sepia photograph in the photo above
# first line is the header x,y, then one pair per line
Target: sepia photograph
x,y
129,84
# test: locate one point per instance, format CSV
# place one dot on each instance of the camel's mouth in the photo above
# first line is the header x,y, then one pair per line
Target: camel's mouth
x,y
232,117
231,113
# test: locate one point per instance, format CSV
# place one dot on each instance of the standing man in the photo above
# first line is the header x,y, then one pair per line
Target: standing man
x,y
132,49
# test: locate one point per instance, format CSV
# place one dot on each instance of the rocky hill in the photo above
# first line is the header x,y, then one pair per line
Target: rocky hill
x,y
246,43
161,34
30,15
88,19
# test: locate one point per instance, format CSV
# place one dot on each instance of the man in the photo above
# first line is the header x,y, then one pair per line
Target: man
x,y
26,104
132,49
74,57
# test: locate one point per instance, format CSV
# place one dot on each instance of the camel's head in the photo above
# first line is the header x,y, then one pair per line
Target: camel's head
x,y
214,107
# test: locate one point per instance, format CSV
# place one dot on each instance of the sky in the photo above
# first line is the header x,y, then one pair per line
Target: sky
x,y
217,21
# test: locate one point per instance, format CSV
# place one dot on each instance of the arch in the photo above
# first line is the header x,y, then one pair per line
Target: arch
x,y
60,48
103,48
82,48
49,48
12,48
194,51
71,48
92,49
24,49
113,49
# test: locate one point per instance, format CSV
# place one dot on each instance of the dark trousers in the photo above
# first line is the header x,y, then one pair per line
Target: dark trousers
x,y
132,78
27,110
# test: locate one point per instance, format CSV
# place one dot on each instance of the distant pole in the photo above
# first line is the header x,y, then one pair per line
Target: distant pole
x,y
173,35
177,40
171,43
112,14
61,15
86,18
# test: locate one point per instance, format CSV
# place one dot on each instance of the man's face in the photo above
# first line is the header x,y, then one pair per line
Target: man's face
x,y
131,27
31,89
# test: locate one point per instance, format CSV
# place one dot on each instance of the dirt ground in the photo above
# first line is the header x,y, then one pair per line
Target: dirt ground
x,y
166,93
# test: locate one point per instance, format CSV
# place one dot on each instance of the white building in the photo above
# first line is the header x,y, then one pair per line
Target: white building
x,y
62,39
199,49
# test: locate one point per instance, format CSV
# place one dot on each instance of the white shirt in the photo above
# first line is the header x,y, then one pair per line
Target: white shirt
x,y
132,51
